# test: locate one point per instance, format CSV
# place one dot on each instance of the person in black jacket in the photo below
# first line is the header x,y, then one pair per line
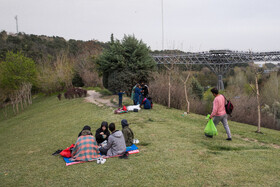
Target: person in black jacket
x,y
102,133
85,128
145,90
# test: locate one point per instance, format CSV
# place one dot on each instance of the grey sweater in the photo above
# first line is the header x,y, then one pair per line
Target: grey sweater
x,y
116,144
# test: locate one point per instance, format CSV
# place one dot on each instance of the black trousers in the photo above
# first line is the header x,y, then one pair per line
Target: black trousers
x,y
120,102
103,151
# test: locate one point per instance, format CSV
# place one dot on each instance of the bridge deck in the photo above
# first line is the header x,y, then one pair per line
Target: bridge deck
x,y
217,57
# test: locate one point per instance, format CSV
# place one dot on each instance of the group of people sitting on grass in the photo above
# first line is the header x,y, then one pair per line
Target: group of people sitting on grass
x,y
89,148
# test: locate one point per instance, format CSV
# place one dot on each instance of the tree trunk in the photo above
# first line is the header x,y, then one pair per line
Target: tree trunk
x,y
30,98
21,104
25,100
169,89
187,100
14,110
259,107
17,110
169,82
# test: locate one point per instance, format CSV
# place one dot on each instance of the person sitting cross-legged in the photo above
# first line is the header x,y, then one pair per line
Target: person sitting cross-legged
x,y
147,102
127,133
102,133
86,148
116,143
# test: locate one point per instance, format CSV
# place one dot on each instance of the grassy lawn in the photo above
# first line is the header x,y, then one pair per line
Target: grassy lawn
x,y
173,149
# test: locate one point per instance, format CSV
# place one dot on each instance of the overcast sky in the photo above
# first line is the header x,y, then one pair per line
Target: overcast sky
x,y
189,25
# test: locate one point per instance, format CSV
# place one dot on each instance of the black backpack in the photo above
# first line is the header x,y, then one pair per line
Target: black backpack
x,y
229,106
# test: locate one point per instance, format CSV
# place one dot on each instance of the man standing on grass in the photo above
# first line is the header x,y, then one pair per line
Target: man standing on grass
x,y
145,90
120,97
137,94
219,112
133,93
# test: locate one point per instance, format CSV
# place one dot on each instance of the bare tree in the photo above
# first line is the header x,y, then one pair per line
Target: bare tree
x,y
3,102
85,67
56,75
184,77
170,68
257,73
20,96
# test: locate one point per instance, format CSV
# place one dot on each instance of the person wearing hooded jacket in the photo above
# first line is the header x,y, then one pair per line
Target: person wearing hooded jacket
x,y
137,95
116,143
85,128
147,102
127,133
102,133
85,148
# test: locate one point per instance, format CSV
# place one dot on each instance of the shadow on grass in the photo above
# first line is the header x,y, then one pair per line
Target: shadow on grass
x,y
150,120
230,148
144,144
215,152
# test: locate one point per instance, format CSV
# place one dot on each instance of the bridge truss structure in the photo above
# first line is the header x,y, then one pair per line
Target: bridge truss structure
x,y
219,61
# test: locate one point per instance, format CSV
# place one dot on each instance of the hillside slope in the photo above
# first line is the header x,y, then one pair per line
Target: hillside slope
x,y
173,149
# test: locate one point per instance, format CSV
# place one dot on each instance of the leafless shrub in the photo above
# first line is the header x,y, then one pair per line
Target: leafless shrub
x,y
159,91
85,67
245,112
74,93
244,105
19,99
57,75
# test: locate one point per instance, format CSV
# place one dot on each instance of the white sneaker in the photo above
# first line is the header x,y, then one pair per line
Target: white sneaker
x,y
135,141
98,160
103,160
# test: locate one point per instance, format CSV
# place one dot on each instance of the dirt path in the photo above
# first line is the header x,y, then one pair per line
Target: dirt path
x,y
95,98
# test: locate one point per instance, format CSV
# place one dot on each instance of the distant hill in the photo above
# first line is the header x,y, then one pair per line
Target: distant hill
x,y
46,47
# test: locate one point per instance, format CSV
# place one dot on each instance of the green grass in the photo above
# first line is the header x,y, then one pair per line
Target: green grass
x,y
103,91
173,149
98,89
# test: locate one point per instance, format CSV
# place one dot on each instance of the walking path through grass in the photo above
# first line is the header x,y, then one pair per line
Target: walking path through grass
x,y
173,149
95,98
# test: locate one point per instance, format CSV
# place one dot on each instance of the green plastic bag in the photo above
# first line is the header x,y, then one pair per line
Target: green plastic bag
x,y
210,129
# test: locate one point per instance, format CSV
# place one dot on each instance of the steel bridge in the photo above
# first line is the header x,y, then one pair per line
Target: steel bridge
x,y
219,61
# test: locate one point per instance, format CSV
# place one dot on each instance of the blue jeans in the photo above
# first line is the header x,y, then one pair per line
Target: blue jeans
x,y
137,98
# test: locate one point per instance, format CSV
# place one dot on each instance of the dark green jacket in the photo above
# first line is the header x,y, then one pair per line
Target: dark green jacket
x,y
128,136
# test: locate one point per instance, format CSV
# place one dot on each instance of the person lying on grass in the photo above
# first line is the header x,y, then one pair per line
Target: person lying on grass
x,y
127,133
116,143
102,133
85,148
